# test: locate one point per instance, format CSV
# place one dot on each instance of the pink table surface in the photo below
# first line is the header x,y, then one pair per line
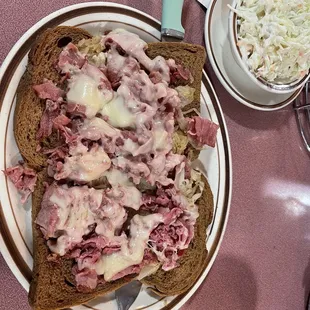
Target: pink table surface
x,y
263,262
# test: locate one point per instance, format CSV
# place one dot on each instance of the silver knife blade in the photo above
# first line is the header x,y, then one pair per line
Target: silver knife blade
x,y
205,3
127,294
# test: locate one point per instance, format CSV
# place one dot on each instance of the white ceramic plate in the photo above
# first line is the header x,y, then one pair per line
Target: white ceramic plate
x,y
232,77
16,240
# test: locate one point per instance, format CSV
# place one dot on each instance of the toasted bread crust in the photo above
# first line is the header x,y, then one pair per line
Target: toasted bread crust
x,y
29,107
51,286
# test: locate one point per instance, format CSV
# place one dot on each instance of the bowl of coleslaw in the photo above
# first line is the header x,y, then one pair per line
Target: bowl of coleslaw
x,y
270,40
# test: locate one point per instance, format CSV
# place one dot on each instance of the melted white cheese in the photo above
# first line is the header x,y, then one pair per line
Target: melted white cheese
x,y
117,177
85,167
95,128
131,196
130,146
74,215
118,114
148,270
160,138
131,252
135,47
85,91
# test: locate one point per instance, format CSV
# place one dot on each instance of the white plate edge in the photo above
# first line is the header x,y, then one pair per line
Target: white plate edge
x,y
3,68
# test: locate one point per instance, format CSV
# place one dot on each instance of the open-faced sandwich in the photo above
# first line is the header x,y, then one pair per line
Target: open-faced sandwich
x,y
108,127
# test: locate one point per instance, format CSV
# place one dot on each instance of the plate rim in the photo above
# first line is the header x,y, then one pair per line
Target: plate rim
x,y
225,83
215,102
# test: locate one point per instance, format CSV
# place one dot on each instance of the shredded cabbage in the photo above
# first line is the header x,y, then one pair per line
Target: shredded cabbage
x,y
179,142
93,49
274,38
191,188
98,60
186,94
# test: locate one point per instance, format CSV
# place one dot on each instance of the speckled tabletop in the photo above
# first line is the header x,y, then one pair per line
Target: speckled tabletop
x,y
263,262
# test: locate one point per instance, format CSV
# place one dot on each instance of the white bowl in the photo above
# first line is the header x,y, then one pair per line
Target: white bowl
x,y
230,74
272,87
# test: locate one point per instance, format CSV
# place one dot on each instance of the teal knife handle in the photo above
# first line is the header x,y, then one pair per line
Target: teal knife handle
x,y
171,15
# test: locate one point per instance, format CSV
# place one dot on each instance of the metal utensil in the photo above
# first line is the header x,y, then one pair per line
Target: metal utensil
x,y
127,294
205,3
171,26
302,110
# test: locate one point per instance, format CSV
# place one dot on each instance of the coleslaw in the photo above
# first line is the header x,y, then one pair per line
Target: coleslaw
x,y
274,38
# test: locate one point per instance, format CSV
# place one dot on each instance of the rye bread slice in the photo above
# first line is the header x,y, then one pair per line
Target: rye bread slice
x,y
192,57
29,107
193,261
51,286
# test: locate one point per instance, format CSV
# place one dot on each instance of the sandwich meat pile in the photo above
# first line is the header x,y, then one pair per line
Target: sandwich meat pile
x,y
114,144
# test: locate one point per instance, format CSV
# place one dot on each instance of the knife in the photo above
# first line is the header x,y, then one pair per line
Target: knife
x,y
127,294
171,26
205,3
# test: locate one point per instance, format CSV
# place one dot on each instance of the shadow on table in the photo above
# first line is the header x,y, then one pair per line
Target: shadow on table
x,y
230,285
254,119
306,284
244,115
